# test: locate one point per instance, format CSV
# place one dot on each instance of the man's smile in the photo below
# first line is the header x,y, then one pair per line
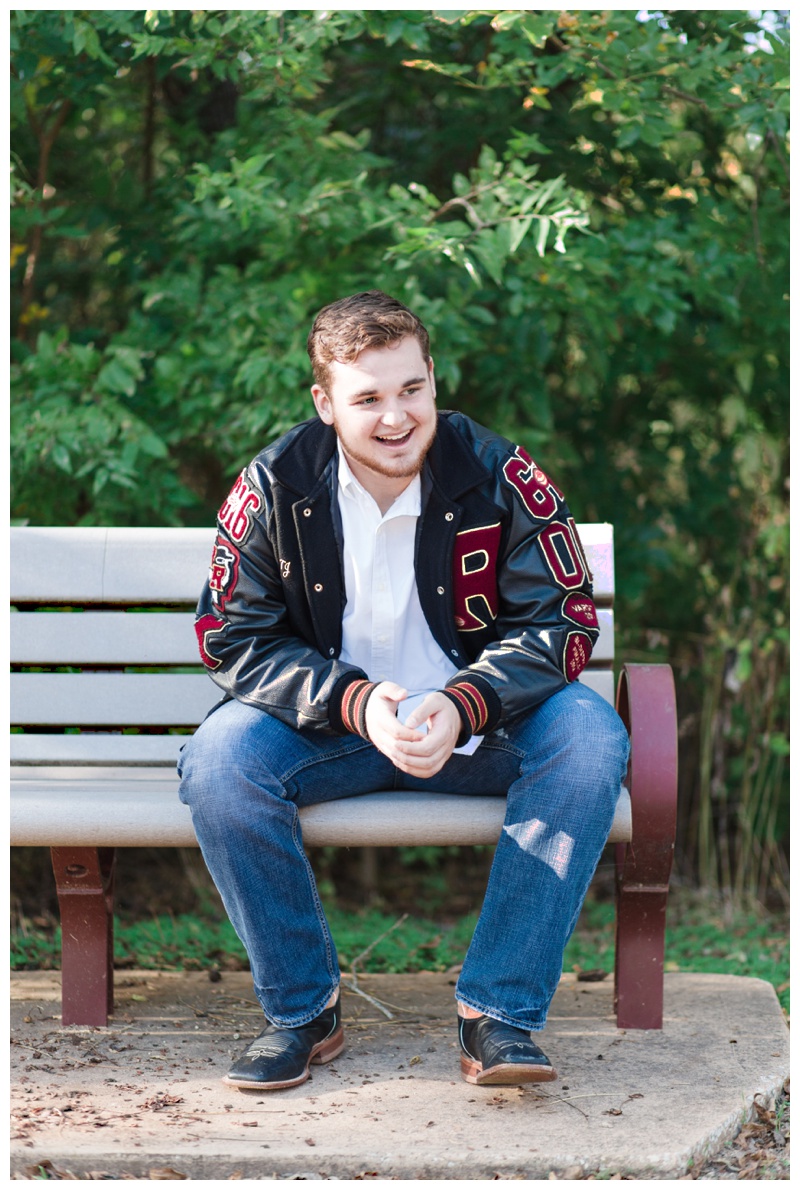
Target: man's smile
x,y
395,438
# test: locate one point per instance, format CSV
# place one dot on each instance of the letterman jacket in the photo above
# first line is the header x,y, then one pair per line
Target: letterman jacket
x,y
501,575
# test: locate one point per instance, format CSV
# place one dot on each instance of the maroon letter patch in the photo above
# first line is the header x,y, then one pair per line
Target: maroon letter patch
x,y
538,493
236,514
563,555
475,577
577,652
581,610
223,572
205,627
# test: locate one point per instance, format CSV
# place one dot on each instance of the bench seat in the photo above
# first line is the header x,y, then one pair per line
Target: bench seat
x,y
66,806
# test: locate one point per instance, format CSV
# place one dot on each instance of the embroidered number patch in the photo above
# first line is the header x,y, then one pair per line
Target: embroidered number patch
x,y
223,572
475,577
538,493
563,555
237,513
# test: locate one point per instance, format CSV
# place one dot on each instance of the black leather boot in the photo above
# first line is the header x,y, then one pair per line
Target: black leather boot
x,y
280,1057
495,1053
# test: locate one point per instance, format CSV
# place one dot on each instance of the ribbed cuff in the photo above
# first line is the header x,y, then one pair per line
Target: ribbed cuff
x,y
478,708
354,706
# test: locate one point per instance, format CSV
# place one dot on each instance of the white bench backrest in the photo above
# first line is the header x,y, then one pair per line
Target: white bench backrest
x,y
80,595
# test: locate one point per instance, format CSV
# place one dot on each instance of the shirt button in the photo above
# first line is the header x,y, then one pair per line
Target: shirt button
x,y
331,652
306,512
454,652
448,516
317,586
440,590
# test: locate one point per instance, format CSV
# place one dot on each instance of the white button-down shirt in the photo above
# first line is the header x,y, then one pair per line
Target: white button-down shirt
x,y
384,630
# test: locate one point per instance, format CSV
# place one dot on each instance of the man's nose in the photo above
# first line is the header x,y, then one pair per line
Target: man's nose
x,y
393,416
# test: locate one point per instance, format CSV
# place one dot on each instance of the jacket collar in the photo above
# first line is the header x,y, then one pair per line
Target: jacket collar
x,y
452,459
302,459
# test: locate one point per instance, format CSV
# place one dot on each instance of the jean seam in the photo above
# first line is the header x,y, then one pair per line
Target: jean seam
x,y
310,762
497,746
320,912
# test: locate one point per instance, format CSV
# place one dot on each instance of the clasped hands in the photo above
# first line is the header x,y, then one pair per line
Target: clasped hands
x,y
410,750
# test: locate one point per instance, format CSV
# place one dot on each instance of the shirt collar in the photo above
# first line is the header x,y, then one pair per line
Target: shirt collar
x,y
408,503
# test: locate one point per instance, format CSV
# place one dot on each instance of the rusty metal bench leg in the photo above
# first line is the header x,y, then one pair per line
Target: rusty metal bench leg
x,y
85,885
646,704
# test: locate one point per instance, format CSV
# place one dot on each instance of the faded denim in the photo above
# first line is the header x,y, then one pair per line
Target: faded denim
x,y
245,774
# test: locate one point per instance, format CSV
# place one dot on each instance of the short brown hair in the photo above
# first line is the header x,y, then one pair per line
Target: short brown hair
x,y
344,329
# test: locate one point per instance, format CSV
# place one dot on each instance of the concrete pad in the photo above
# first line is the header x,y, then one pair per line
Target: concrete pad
x,y
145,1094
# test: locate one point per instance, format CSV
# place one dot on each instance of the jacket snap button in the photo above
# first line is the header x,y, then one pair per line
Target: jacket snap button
x,y
306,512
440,590
454,652
448,516
317,586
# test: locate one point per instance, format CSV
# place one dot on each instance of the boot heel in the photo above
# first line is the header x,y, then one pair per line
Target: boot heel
x,y
470,1070
330,1048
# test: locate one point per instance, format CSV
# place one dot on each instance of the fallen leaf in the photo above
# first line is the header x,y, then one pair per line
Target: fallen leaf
x,y
159,1101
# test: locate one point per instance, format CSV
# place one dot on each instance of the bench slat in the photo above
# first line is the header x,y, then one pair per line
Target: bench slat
x,y
108,565
144,700
169,700
103,638
163,638
117,808
100,747
597,539
104,565
601,681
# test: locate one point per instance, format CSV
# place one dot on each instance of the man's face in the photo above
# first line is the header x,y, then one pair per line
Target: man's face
x,y
383,409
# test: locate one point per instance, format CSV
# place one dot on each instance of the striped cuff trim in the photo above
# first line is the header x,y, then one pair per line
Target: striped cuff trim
x,y
354,707
473,704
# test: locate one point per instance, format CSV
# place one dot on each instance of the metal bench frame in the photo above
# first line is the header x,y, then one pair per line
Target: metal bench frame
x,y
79,654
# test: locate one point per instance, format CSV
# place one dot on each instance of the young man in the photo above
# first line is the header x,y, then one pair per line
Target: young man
x,y
398,598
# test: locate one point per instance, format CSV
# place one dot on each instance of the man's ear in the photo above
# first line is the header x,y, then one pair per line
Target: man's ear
x,y
322,404
433,378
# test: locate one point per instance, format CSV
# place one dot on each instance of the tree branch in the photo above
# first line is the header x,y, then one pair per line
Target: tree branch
x,y
46,138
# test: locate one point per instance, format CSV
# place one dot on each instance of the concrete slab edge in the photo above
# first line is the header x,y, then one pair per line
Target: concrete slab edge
x,y
340,1168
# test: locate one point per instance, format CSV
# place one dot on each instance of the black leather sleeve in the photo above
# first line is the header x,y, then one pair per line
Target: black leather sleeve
x,y
246,640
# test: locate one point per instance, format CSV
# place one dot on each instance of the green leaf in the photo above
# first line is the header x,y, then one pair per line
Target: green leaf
x,y
60,456
115,377
519,229
537,28
744,376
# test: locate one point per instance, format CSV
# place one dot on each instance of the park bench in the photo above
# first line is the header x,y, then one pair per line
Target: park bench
x,y
82,660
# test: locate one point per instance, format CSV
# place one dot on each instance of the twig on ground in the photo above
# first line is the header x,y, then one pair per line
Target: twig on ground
x,y
353,981
353,986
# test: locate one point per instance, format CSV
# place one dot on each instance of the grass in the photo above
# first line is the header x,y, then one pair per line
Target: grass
x,y
702,936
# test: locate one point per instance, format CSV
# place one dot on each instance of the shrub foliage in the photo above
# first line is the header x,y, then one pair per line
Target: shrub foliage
x,y
588,208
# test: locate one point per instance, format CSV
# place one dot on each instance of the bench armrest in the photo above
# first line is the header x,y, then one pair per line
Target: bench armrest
x,y
646,704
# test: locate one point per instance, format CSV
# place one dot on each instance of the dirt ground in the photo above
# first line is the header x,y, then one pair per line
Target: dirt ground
x,y
61,1077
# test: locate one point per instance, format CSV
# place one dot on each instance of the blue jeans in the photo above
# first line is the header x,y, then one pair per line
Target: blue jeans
x,y
245,774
